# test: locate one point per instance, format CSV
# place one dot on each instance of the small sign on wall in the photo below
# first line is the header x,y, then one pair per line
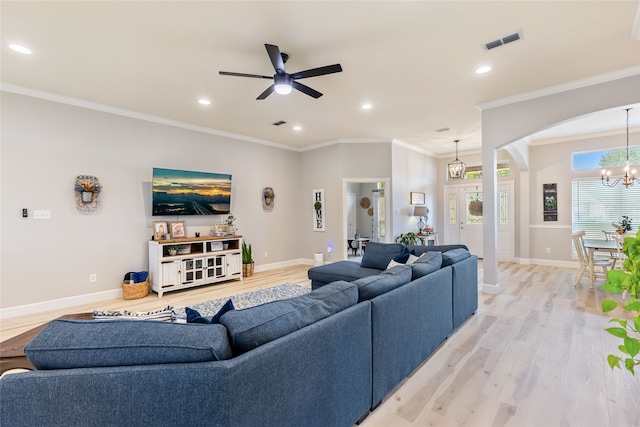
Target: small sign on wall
x,y
550,202
318,210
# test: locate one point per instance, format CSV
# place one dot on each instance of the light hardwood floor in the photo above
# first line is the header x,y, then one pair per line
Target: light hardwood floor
x,y
534,355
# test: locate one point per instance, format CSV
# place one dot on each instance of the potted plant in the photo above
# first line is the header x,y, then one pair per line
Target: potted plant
x,y
231,228
409,238
624,225
626,281
247,260
173,249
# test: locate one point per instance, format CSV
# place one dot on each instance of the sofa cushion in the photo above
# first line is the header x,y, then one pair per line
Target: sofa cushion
x,y
255,326
340,270
426,264
378,255
372,286
66,344
453,256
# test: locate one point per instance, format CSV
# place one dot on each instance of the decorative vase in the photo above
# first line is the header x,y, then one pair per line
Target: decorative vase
x,y
87,196
172,252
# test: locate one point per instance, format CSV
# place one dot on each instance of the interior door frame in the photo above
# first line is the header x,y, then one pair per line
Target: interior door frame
x,y
387,206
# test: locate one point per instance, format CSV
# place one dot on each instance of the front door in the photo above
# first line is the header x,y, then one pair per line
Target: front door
x,y
464,218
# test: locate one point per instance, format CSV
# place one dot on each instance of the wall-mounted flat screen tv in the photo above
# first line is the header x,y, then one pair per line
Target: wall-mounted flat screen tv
x,y
177,192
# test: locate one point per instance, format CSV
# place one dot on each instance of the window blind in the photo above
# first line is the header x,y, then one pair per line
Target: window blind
x,y
595,207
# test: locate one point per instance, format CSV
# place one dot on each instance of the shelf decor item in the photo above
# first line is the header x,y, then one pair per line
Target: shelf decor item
x,y
87,191
178,229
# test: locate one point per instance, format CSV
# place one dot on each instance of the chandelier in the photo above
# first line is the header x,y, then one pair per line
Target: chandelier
x,y
457,167
629,177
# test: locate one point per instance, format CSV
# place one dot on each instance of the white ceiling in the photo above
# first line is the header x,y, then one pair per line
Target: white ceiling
x,y
414,61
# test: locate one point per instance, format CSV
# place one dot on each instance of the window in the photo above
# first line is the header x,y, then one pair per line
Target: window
x,y
475,172
595,207
604,158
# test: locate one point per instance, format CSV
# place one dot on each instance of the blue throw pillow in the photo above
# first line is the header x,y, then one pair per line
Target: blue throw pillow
x,y
193,316
378,255
403,256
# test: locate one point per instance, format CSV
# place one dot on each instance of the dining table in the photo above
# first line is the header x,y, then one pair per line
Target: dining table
x,y
598,245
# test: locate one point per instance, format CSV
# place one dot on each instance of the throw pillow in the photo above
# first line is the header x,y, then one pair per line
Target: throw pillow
x,y
393,263
412,259
193,316
403,256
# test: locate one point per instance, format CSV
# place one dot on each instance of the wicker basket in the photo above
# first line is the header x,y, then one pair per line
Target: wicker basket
x,y
135,290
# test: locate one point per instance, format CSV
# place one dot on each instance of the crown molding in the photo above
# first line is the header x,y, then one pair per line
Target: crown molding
x,y
590,81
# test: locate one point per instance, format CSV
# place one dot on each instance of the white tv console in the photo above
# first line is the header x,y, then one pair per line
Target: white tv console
x,y
202,261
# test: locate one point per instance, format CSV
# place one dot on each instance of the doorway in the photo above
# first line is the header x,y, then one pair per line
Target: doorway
x,y
364,212
464,219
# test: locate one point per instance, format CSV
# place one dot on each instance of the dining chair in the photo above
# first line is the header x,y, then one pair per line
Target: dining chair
x,y
621,256
614,255
583,258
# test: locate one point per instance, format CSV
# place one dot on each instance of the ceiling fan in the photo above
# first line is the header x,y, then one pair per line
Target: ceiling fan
x,y
283,82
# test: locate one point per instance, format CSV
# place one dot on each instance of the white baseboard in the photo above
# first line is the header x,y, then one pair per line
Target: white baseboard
x,y
491,289
552,263
57,304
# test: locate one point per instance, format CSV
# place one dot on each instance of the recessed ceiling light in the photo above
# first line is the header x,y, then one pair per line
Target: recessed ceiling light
x,y
483,69
297,127
20,49
204,102
367,106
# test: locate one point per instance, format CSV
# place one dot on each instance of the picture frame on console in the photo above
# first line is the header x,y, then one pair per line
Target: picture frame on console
x,y
160,230
178,229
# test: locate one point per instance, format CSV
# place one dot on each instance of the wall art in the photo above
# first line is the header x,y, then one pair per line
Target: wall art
x,y
417,198
87,190
268,198
550,202
318,210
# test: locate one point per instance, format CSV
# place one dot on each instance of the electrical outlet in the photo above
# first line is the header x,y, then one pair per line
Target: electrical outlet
x,y
93,278
548,250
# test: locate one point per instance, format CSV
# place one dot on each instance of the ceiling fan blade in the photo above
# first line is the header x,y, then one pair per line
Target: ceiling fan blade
x,y
306,89
266,93
320,71
256,76
276,57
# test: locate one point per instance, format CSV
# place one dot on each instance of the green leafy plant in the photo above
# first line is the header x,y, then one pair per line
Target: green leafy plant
x,y
626,281
247,256
317,205
409,238
624,224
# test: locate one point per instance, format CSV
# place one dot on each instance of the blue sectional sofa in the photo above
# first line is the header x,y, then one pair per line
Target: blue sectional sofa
x,y
412,320
321,359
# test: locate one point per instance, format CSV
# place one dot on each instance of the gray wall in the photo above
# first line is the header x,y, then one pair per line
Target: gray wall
x,y
45,145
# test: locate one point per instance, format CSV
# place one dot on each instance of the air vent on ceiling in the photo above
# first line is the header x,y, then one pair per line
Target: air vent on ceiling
x,y
506,39
280,122
442,130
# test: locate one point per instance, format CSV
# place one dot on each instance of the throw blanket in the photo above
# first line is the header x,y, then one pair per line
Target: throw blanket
x,y
167,314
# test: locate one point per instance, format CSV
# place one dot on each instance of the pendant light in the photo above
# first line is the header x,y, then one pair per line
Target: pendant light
x,y
629,177
457,167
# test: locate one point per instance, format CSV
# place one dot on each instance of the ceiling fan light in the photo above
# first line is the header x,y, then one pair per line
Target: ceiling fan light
x,y
283,84
283,88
